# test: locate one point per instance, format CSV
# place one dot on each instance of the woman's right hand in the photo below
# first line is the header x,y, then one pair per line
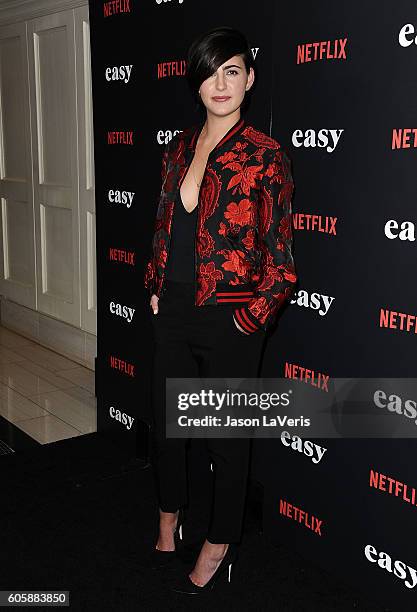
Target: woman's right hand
x,y
154,303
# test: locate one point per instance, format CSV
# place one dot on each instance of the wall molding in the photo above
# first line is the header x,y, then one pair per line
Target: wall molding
x,y
12,11
59,336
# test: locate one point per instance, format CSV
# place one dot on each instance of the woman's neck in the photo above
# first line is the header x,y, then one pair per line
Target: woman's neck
x,y
216,127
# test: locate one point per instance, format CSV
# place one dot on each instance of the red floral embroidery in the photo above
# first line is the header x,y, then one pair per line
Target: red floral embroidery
x,y
235,261
249,239
223,229
205,243
245,177
259,138
240,146
285,228
227,157
259,307
209,195
207,281
240,214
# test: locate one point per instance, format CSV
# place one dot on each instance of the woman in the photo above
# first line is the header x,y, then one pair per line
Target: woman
x,y
220,269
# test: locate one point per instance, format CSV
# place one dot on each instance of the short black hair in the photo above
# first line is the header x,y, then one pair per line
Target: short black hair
x,y
209,51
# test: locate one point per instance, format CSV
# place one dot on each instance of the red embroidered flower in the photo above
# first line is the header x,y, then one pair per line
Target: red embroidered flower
x,y
239,214
209,271
223,229
240,146
278,170
245,177
249,239
207,281
205,243
227,157
235,261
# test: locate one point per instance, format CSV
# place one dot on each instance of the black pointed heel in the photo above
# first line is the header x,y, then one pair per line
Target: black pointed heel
x,y
186,586
161,559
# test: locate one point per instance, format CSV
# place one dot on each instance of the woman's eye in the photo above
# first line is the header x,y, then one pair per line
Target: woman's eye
x,y
228,72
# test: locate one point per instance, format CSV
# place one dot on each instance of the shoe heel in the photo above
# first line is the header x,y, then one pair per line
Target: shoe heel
x,y
178,534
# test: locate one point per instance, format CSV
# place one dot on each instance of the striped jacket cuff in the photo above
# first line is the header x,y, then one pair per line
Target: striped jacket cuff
x,y
246,320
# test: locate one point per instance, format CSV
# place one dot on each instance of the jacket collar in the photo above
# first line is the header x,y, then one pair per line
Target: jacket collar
x,y
233,131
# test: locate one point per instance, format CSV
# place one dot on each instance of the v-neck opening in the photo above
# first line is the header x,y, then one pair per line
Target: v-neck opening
x,y
236,127
182,203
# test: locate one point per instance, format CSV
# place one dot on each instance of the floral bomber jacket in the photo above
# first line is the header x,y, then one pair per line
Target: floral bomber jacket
x,y
244,223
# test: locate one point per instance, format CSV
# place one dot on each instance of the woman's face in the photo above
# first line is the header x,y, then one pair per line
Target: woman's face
x,y
223,92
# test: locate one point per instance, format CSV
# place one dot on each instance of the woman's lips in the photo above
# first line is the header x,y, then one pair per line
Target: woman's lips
x,y
221,98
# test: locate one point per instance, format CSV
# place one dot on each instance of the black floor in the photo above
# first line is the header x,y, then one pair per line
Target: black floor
x,y
79,515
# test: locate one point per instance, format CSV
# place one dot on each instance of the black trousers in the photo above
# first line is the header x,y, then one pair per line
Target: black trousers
x,y
201,341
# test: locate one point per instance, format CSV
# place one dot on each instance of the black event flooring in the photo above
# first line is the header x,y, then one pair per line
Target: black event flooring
x,y
79,515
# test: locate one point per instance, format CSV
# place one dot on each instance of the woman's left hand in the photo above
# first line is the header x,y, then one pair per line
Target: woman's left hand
x,y
239,328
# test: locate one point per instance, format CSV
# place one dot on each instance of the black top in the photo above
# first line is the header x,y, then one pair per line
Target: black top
x,y
181,262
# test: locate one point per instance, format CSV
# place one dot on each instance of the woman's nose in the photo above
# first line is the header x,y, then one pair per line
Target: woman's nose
x,y
220,84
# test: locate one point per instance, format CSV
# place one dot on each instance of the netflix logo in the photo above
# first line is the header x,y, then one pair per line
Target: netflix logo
x,y
123,138
324,50
300,516
122,366
122,256
310,377
169,69
404,138
114,7
314,223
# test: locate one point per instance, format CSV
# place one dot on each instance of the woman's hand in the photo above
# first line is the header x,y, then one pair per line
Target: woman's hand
x,y
239,328
154,303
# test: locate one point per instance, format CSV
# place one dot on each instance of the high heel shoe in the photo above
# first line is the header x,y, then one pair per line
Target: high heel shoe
x,y
186,586
161,559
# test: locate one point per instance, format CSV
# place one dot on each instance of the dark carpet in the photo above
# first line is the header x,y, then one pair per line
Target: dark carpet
x,y
80,515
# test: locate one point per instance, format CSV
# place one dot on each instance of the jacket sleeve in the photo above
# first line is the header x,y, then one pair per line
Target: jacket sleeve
x,y
149,268
277,275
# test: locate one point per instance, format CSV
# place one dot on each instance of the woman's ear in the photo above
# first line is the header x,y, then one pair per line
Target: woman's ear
x,y
251,78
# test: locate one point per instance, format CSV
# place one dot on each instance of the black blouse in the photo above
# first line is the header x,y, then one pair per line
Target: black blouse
x,y
181,262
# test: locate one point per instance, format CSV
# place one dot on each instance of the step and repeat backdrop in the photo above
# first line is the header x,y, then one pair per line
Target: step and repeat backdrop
x,y
336,87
